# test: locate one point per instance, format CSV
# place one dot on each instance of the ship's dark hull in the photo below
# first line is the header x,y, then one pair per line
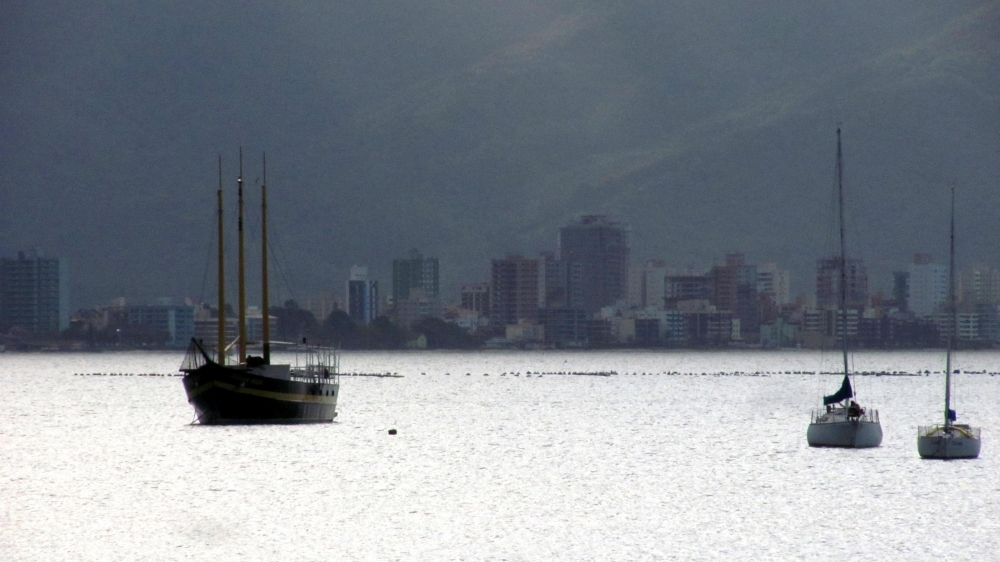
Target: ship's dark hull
x,y
235,395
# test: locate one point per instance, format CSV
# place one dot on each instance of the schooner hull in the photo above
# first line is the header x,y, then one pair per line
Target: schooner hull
x,y
222,395
941,445
852,434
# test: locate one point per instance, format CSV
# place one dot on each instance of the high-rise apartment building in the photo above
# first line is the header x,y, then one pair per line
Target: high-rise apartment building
x,y
648,285
927,285
980,284
514,292
476,297
362,296
172,325
828,283
34,293
600,247
686,287
559,283
774,283
415,272
734,289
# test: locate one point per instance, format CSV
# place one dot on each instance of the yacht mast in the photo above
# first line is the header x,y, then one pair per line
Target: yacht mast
x,y
242,289
222,283
843,250
263,250
954,318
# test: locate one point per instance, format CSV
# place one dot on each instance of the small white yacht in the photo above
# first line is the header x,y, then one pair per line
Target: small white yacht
x,y
842,422
949,440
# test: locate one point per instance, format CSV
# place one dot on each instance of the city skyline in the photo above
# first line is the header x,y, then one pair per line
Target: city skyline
x,y
471,132
545,299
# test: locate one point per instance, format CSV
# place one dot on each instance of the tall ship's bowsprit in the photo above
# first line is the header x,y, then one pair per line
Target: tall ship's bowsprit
x,y
843,422
252,390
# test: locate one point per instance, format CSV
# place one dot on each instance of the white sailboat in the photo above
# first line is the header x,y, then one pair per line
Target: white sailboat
x,y
949,440
843,422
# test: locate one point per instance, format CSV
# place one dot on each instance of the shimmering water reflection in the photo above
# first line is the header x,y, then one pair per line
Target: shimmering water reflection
x,y
484,467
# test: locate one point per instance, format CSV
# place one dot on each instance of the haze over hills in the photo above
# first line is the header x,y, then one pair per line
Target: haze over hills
x,y
475,129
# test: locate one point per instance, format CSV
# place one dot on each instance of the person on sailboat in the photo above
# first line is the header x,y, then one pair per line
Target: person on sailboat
x,y
854,410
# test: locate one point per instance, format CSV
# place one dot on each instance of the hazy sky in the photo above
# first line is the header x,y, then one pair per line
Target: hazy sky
x,y
473,129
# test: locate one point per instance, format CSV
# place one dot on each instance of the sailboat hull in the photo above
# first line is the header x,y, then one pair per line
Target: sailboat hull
x,y
852,434
232,395
956,444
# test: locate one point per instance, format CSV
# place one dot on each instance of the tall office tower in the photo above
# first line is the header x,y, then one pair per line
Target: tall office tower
x,y
34,293
415,272
927,285
513,291
828,283
362,295
600,247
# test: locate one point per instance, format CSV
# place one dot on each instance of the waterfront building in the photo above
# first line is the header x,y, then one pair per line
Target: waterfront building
x,y
468,320
708,327
34,293
656,326
564,327
167,323
780,333
526,332
321,305
362,296
968,326
415,272
206,330
416,306
600,247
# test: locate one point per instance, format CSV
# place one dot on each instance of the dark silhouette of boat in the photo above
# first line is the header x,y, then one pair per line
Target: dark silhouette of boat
x,y
251,389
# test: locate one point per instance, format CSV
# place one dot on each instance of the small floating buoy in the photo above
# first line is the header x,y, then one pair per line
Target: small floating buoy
x,y
392,432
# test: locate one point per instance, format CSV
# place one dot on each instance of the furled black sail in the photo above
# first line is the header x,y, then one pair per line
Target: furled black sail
x,y
844,393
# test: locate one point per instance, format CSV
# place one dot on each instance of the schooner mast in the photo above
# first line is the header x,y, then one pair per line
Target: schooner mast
x,y
242,347
263,250
221,334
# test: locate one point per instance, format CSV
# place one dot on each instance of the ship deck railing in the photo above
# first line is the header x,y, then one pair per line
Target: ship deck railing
x,y
318,363
959,428
838,414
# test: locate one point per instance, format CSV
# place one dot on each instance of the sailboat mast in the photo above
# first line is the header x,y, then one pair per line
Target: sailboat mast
x,y
222,282
242,288
263,250
954,317
843,249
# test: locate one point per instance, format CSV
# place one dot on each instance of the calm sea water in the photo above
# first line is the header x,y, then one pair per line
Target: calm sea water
x,y
492,466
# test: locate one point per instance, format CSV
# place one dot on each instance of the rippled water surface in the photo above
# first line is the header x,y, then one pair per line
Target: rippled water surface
x,y
492,466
